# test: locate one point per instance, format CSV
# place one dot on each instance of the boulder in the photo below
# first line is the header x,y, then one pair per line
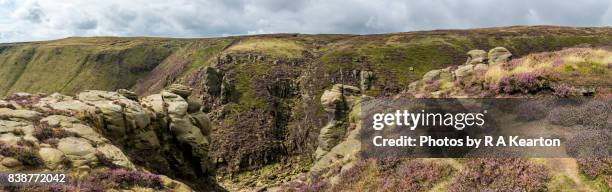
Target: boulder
x,y
476,57
51,157
116,156
464,70
481,67
73,146
174,185
180,90
432,75
6,113
446,74
9,138
8,126
176,105
6,104
334,98
499,55
11,163
115,113
128,94
59,121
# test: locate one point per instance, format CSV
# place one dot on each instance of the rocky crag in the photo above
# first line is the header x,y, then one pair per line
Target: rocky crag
x,y
96,133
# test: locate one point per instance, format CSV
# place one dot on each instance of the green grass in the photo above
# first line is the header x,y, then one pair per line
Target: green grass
x,y
270,46
76,64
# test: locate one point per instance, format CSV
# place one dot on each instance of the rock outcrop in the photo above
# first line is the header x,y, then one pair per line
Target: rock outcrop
x,y
499,55
476,56
436,83
99,130
337,101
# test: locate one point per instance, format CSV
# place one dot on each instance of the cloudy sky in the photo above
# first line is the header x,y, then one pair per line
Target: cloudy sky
x,y
30,20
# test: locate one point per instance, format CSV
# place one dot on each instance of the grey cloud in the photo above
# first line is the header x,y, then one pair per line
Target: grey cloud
x,y
204,18
32,13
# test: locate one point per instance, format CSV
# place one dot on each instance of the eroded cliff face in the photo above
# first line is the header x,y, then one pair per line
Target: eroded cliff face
x,y
98,132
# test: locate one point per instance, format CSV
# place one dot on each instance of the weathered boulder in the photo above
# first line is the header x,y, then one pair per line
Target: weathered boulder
x,y
438,74
115,155
432,75
128,94
9,138
481,68
12,164
464,71
335,97
499,55
183,122
476,57
78,150
115,113
51,157
6,104
6,113
180,90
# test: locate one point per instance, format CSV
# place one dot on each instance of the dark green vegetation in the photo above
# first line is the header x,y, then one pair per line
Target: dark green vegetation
x,y
265,108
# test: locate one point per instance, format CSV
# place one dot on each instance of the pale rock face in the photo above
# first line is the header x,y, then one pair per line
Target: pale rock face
x,y
116,155
476,56
177,106
60,121
337,102
9,138
11,163
118,112
180,90
174,185
330,98
75,146
432,75
7,126
128,94
155,103
28,115
51,157
6,104
464,70
93,116
499,55
336,95
481,68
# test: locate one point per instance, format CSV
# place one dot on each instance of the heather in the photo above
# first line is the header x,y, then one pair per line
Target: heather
x,y
101,181
589,114
47,134
392,174
24,152
490,174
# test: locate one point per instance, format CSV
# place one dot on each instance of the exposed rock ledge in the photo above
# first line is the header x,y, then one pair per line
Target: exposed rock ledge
x,y
97,132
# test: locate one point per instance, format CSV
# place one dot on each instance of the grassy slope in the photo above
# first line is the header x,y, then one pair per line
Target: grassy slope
x,y
74,64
